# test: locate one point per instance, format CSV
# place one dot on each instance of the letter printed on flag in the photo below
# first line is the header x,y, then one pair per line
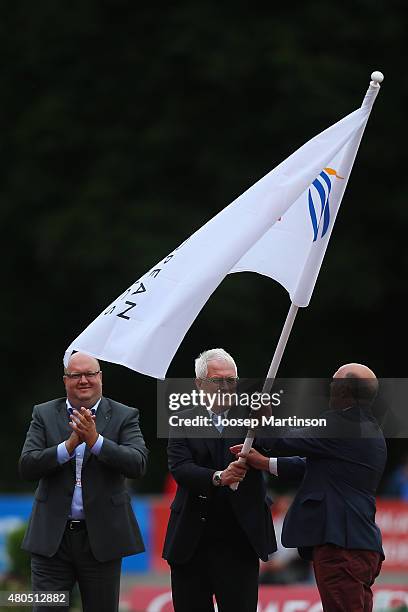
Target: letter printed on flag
x,y
279,227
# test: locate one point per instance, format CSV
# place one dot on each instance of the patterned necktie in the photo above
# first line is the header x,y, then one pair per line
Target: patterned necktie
x,y
71,411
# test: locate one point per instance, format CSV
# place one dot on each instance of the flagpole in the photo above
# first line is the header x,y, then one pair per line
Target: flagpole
x,y
280,348
273,369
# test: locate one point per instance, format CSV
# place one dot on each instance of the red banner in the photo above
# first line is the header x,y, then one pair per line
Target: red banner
x,y
271,599
392,518
160,512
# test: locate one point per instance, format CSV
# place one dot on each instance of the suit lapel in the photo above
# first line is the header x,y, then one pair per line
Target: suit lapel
x,y
211,436
219,444
234,435
62,417
64,428
212,445
103,416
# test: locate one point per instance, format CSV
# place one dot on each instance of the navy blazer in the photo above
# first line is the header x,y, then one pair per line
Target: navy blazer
x,y
192,462
336,500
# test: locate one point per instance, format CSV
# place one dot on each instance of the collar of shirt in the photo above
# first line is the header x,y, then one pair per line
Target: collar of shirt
x,y
95,406
224,414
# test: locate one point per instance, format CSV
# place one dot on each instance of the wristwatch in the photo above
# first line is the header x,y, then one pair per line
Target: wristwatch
x,y
217,480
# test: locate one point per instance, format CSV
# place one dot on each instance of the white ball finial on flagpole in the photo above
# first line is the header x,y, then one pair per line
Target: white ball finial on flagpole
x,y
377,77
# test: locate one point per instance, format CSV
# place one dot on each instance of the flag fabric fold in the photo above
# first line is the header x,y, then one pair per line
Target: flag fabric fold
x,y
292,250
279,227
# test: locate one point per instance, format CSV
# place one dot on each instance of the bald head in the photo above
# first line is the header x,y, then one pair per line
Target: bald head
x,y
354,384
81,360
354,370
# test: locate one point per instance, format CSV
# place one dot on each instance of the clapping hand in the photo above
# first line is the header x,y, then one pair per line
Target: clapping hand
x,y
83,424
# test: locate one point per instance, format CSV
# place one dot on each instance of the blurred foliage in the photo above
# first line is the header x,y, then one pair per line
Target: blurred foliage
x,y
20,562
125,127
18,578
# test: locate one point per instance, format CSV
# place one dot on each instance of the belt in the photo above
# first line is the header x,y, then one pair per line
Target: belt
x,y
76,525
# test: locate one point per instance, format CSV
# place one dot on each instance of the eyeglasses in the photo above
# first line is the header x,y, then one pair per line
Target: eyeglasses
x,y
229,380
79,375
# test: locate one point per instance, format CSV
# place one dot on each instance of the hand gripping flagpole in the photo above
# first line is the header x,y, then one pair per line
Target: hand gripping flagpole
x,y
273,368
376,78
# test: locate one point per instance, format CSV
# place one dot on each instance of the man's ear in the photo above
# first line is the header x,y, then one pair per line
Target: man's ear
x,y
344,389
198,383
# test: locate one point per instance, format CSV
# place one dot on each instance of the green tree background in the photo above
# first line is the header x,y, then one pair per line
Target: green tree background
x,y
126,126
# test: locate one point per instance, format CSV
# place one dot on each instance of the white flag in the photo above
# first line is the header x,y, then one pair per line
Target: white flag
x,y
292,250
143,328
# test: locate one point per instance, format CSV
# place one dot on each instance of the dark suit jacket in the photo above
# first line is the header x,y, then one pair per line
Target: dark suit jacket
x,y
111,525
336,499
192,462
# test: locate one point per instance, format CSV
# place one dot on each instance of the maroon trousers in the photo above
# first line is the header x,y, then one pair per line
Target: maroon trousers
x,y
344,577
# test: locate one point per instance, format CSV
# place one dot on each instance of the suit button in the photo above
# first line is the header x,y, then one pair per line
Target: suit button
x,y
203,518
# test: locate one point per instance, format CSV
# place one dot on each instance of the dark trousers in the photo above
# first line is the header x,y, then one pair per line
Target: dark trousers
x,y
99,583
344,577
227,569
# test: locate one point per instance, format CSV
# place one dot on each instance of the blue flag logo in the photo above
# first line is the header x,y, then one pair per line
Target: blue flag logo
x,y
322,185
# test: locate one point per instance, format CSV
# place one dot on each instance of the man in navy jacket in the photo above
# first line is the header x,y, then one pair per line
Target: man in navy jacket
x,y
332,518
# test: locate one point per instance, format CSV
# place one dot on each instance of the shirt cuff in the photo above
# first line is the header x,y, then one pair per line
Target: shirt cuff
x,y
62,454
96,449
273,466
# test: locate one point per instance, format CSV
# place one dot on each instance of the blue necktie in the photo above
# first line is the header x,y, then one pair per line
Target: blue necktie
x,y
216,419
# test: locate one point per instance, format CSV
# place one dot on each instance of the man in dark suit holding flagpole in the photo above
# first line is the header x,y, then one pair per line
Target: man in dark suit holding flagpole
x,y
81,449
215,536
